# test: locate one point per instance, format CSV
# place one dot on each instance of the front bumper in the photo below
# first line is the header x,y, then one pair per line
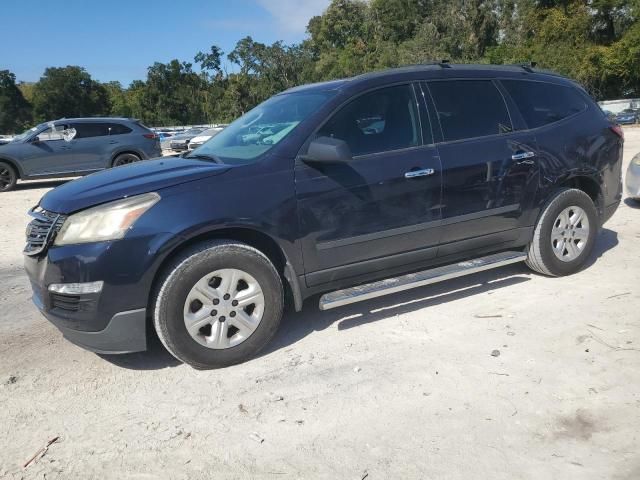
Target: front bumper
x,y
110,321
125,332
632,180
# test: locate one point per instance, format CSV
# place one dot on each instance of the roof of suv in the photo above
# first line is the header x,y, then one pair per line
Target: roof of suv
x,y
436,70
97,119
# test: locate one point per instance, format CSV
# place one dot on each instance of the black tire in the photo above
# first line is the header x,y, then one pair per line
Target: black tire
x,y
125,159
8,177
541,257
181,276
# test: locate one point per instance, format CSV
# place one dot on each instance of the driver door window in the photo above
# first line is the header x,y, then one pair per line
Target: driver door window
x,y
51,134
379,121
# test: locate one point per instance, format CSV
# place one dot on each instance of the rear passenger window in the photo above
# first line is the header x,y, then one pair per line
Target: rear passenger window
x,y
380,121
544,103
87,130
470,108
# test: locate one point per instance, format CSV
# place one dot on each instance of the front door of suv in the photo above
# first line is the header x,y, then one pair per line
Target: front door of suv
x,y
47,153
380,210
490,167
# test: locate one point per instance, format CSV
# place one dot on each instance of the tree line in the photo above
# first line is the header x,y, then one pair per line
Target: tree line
x,y
596,42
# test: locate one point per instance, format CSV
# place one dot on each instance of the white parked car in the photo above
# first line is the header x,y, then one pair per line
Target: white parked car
x,y
4,139
632,179
204,136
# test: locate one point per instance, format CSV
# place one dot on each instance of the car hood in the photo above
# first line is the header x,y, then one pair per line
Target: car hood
x,y
126,181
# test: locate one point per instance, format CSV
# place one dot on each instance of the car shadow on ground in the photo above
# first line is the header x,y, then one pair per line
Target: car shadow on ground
x,y
155,358
297,325
34,185
630,202
606,240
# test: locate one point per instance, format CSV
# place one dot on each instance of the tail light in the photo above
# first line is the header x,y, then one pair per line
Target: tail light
x,y
151,136
617,129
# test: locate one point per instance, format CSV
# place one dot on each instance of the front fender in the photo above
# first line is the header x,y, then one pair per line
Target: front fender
x,y
14,163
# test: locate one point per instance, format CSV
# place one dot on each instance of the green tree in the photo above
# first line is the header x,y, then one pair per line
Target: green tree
x,y
119,105
15,111
68,92
172,94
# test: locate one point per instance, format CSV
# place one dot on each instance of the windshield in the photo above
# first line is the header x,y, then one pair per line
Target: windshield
x,y
256,132
25,134
211,132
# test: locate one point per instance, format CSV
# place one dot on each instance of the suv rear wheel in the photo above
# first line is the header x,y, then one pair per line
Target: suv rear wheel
x,y
8,177
218,304
125,159
564,235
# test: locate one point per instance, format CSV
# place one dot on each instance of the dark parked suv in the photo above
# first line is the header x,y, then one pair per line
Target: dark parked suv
x,y
72,147
357,187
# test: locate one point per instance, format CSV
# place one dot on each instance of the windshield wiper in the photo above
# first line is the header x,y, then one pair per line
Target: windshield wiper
x,y
205,156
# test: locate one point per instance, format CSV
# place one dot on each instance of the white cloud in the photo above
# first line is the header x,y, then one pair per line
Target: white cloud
x,y
293,15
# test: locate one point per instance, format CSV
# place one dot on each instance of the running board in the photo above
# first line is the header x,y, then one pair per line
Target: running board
x,y
419,279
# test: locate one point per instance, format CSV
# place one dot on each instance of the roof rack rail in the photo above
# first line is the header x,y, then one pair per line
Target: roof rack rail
x,y
441,63
528,67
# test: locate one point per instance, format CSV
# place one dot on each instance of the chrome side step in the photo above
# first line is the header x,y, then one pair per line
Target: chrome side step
x,y
419,279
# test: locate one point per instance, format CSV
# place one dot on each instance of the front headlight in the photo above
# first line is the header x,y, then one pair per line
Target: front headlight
x,y
636,160
105,222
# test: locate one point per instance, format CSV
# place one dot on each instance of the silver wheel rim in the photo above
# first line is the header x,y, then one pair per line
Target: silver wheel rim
x,y
223,308
570,233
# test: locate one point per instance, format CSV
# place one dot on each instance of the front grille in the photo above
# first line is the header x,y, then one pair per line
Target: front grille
x,y
41,230
71,303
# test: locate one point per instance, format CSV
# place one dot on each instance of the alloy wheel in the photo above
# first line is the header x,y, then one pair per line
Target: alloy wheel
x,y
6,178
570,233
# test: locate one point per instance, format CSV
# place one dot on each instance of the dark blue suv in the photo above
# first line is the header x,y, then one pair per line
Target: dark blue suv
x,y
353,188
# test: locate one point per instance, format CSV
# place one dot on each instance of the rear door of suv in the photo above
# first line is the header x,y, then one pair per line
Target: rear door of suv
x,y
93,145
382,209
489,162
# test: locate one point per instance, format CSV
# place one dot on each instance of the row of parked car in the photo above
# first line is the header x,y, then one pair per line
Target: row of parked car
x,y
72,147
628,116
188,138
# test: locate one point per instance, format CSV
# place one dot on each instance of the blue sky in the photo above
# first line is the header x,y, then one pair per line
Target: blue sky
x,y
119,39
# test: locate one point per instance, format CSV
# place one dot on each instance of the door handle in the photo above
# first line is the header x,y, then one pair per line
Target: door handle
x,y
523,156
425,172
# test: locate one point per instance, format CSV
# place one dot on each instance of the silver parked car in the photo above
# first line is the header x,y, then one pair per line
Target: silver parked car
x,y
632,179
73,147
181,141
204,137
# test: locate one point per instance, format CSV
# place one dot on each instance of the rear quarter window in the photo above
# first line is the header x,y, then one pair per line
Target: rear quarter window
x,y
118,129
543,103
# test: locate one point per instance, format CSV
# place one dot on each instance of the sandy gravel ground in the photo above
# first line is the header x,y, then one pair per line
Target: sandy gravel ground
x,y
399,387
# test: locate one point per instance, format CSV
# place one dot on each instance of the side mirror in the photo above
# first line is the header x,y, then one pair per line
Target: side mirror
x,y
35,139
327,150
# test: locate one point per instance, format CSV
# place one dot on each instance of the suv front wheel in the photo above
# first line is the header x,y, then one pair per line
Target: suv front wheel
x,y
564,235
125,159
218,304
8,177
